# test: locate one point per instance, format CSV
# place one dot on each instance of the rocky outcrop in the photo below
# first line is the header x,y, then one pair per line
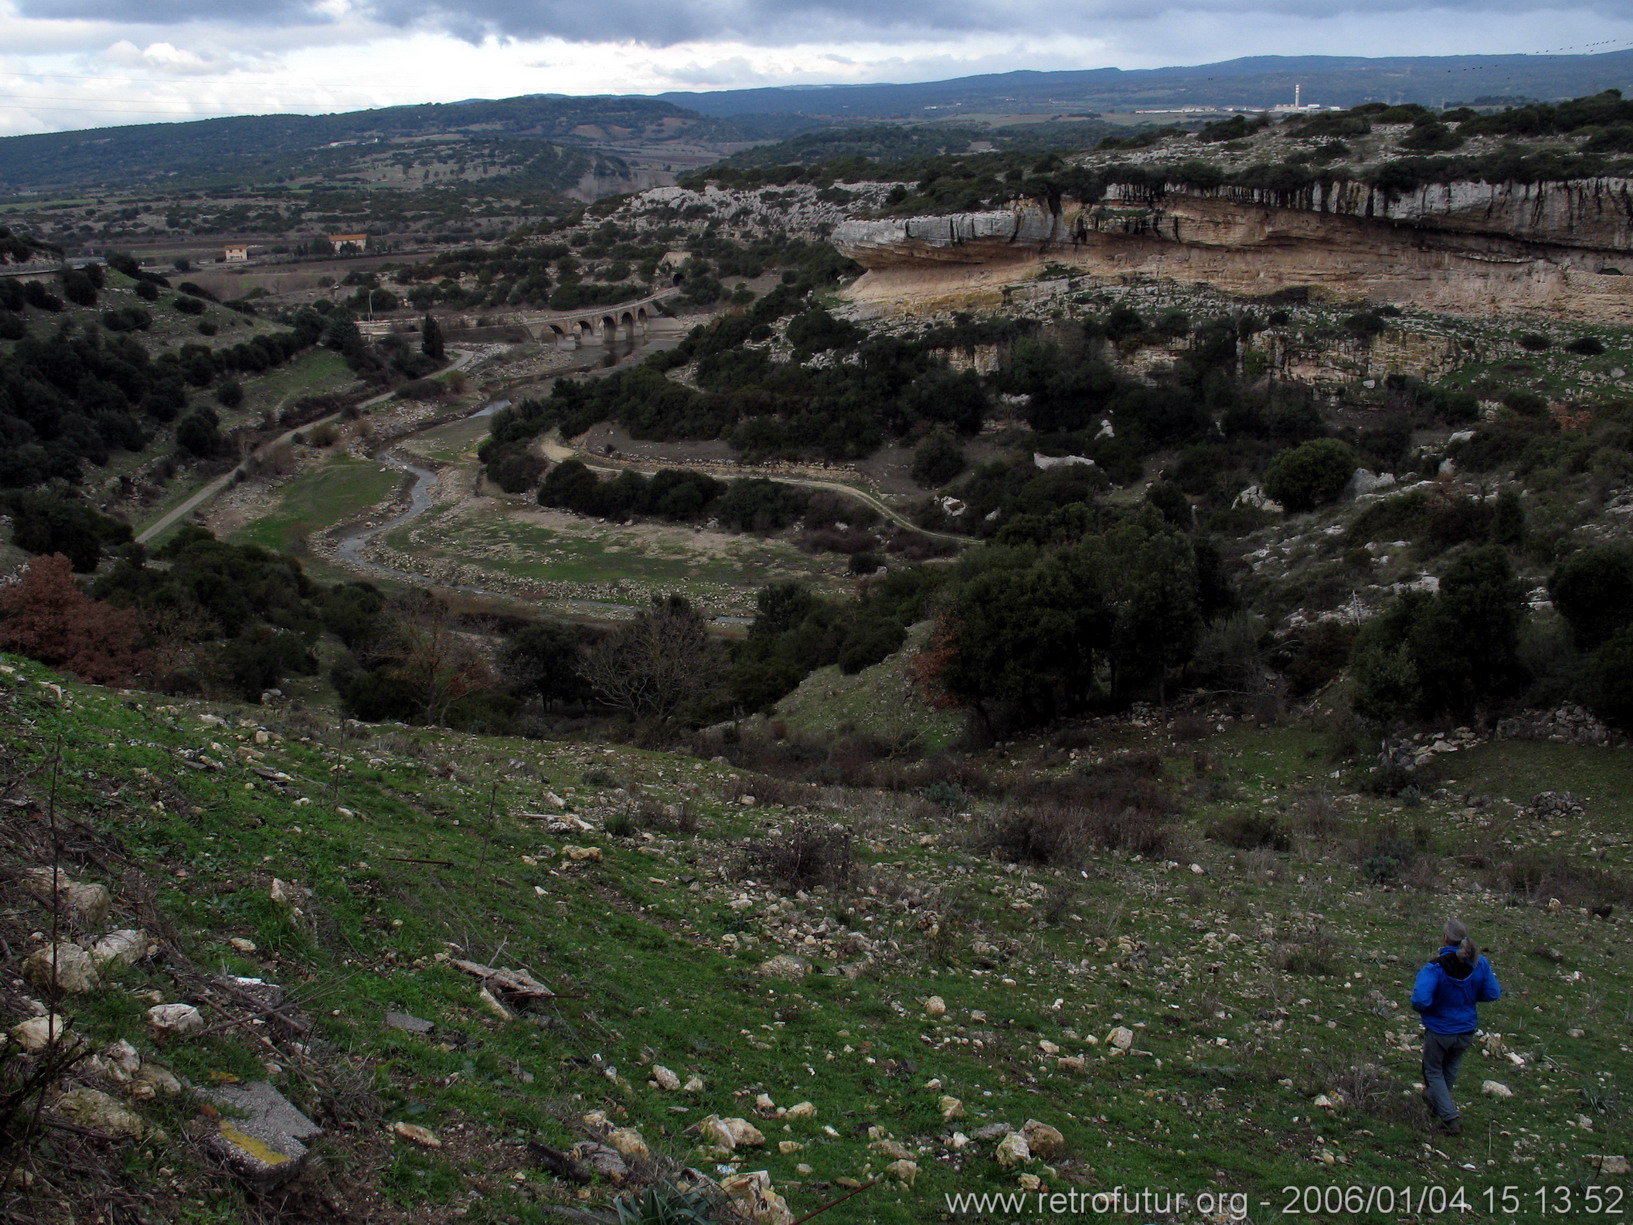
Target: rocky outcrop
x,y
1469,248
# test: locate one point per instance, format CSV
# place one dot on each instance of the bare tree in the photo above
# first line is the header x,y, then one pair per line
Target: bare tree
x,y
660,662
430,653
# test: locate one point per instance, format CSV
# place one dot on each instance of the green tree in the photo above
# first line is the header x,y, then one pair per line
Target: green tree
x,y
1310,474
431,343
1593,590
937,459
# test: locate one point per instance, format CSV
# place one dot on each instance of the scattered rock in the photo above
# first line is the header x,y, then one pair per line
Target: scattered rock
x,y
992,1131
951,1108
37,1033
419,1135
1613,1164
605,1161
61,967
664,1078
582,854
1013,1150
263,1143
935,1006
1496,1089
1551,805
785,966
1120,1038
753,1195
124,947
241,945
174,1020
800,1110
408,1023
1044,1141
85,903
903,1171
153,1079
629,1144
731,1133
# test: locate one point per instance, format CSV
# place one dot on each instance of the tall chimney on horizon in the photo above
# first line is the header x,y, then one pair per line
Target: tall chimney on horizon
x,y
1298,96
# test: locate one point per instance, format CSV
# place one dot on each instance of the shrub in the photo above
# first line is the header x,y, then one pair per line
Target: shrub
x,y
1310,474
1248,831
811,854
1586,346
1385,859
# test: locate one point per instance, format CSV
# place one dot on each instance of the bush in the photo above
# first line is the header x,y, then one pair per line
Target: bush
x,y
188,306
1310,474
1248,831
811,854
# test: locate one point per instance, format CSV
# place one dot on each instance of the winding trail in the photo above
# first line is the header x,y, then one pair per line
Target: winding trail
x,y
558,451
207,494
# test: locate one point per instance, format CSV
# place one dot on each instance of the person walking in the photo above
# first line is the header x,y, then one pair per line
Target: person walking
x,y
1445,995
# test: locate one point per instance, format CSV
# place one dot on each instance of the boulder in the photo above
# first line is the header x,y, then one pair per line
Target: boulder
x,y
1013,1150
605,1161
62,967
96,1110
903,1171
629,1143
124,947
174,1020
785,966
1496,1089
260,1135
753,1196
1120,1038
153,1079
37,1033
664,1078
84,903
731,1133
800,1110
1045,1141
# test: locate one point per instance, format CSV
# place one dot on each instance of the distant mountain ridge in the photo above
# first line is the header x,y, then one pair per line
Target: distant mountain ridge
x,y
553,142
1256,81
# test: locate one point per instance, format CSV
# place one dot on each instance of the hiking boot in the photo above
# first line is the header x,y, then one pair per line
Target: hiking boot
x,y
1451,1127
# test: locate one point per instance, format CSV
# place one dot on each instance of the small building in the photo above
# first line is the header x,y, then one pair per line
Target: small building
x,y
349,244
235,253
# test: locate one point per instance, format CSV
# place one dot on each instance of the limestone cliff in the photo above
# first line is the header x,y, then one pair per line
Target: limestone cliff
x,y
1471,248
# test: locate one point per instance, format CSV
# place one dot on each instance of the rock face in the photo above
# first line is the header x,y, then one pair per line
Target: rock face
x,y
266,1146
1465,248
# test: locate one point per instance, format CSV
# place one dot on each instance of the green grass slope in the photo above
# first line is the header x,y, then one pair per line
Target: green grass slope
x,y
1263,991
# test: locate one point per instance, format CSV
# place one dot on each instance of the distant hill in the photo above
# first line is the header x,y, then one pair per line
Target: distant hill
x,y
539,142
1257,81
556,144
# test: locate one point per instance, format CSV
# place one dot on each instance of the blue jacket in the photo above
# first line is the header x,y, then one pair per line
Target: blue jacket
x,y
1447,989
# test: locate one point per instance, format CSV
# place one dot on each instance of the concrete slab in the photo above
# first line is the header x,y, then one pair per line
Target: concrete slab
x,y
260,1134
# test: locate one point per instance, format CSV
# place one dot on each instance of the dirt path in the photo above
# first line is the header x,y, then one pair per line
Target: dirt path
x,y
210,491
556,451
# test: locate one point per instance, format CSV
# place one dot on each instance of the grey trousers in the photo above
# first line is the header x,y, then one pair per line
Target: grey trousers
x,y
1442,1059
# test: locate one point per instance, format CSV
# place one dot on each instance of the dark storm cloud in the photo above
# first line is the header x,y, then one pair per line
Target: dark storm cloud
x,y
666,22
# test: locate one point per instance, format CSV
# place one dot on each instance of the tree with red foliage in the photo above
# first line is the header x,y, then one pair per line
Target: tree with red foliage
x,y
48,618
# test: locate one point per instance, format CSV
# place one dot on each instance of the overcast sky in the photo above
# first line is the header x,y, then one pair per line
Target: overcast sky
x,y
67,64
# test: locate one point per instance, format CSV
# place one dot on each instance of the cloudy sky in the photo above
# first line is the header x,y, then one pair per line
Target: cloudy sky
x,y
67,64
